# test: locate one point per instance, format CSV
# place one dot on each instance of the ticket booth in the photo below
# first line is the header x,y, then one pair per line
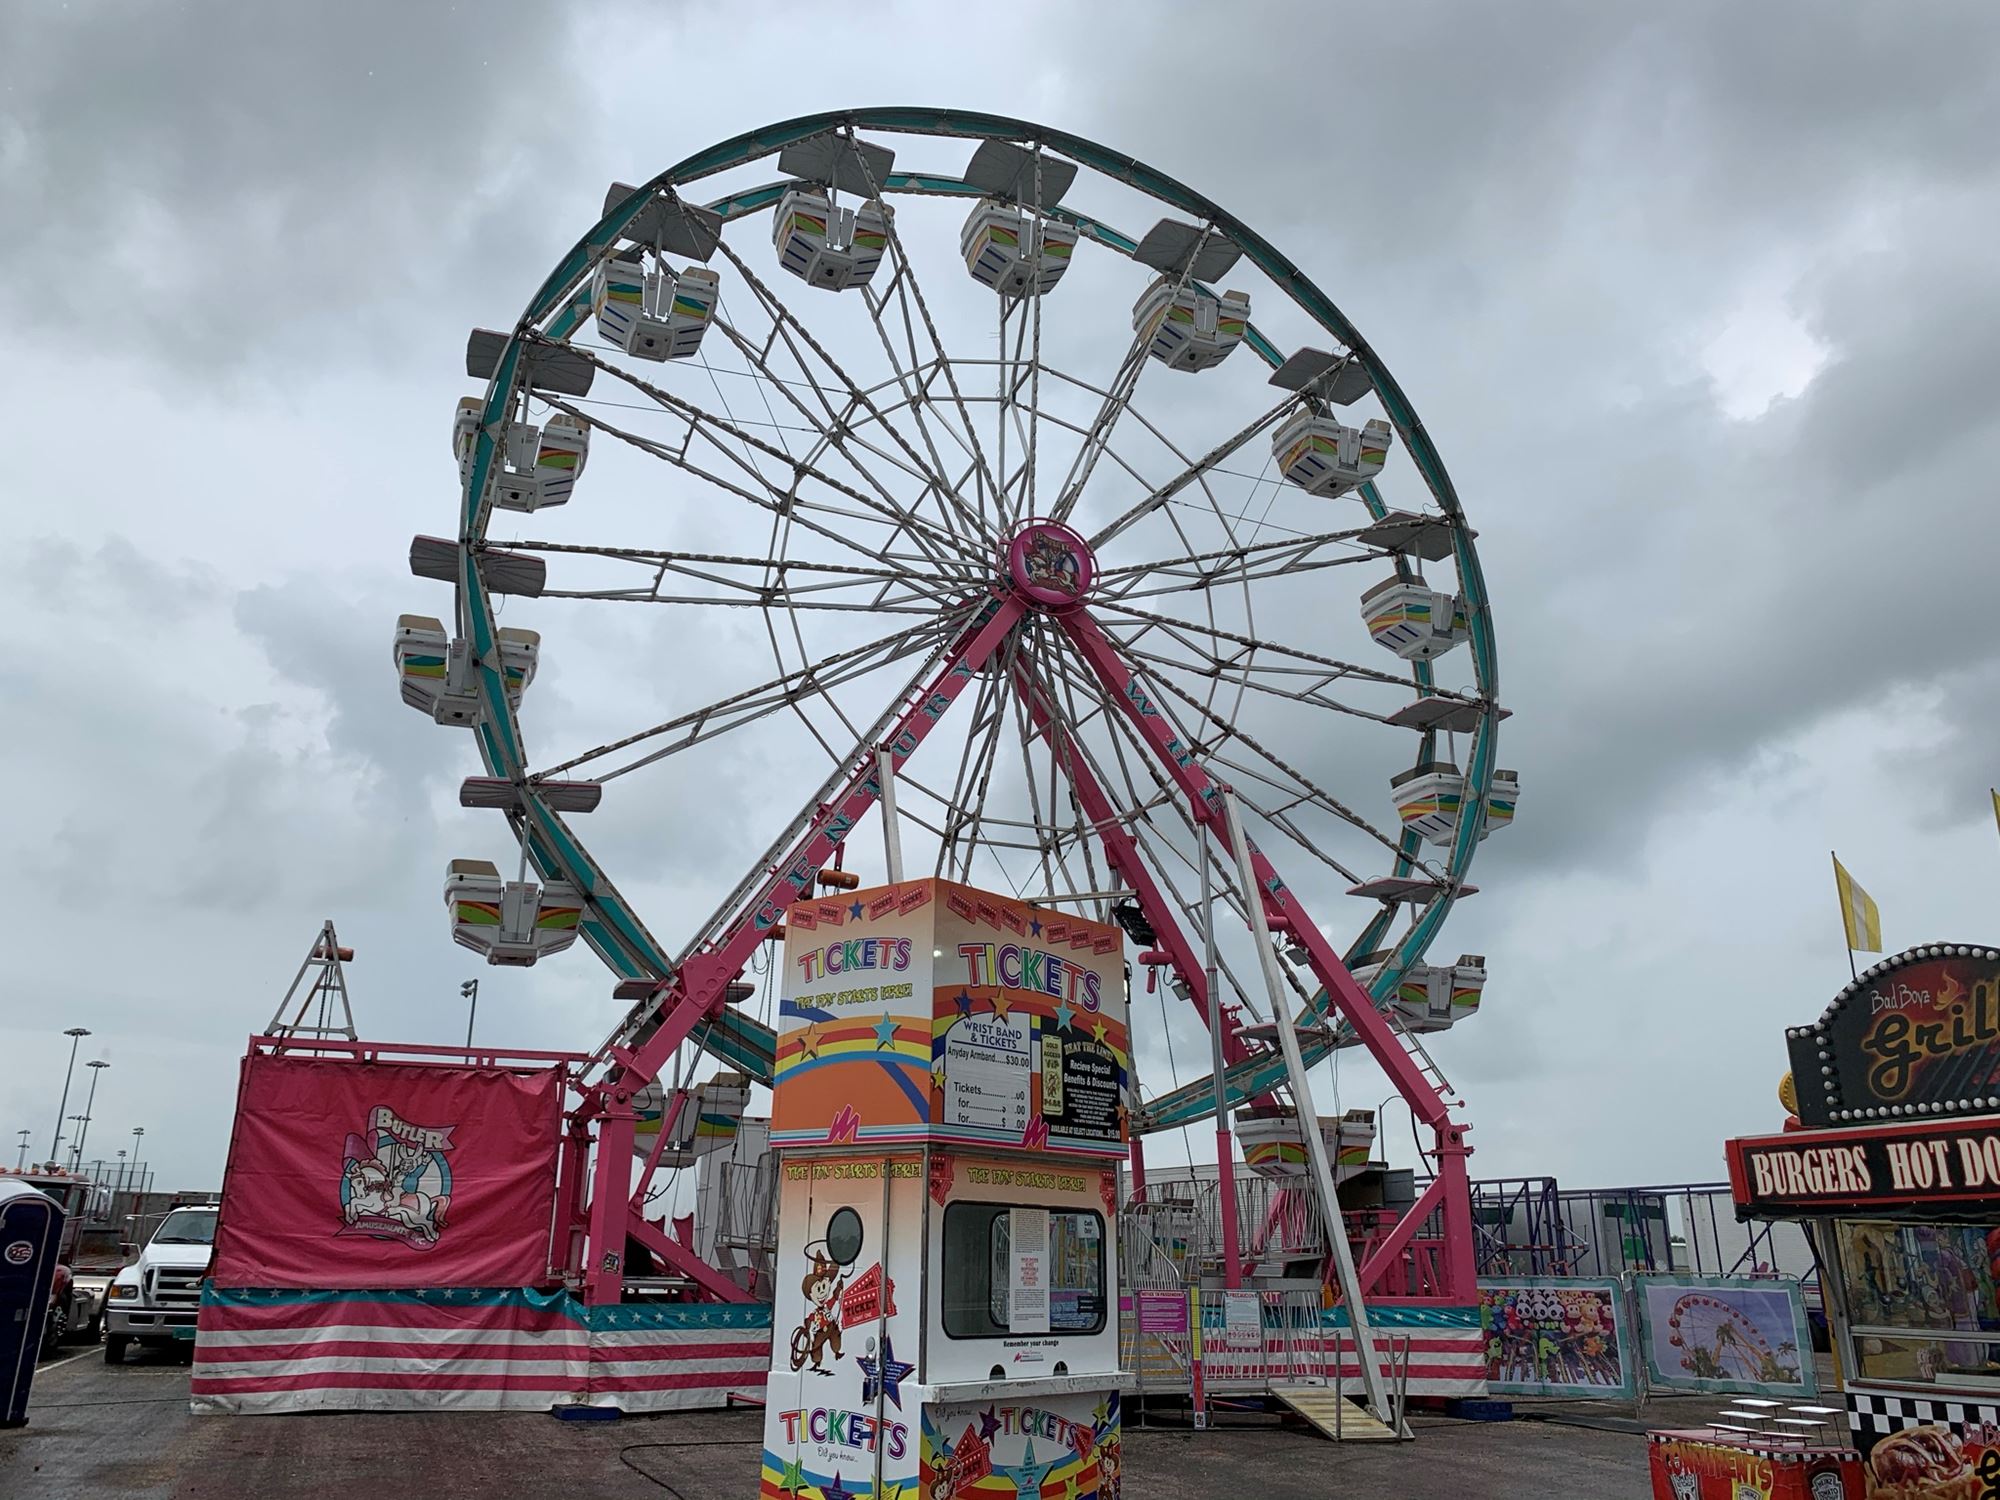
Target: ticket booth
x,y
949,1111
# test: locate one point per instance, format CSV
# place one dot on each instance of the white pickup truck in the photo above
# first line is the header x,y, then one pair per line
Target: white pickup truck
x,y
154,1301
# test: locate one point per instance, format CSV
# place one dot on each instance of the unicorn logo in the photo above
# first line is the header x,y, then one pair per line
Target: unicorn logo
x,y
395,1183
1051,563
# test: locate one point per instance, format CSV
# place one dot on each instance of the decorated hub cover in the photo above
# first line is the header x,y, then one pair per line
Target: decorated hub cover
x,y
932,1011
1916,1035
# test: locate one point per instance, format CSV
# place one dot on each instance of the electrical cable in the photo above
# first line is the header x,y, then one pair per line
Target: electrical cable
x,y
690,1443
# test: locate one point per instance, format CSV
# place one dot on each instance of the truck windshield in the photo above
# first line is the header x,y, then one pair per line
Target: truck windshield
x,y
182,1227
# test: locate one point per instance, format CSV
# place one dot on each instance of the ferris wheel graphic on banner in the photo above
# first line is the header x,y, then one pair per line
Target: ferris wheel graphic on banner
x,y
1717,1342
956,474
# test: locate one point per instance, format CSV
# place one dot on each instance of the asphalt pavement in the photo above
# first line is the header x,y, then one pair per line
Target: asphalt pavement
x,y
98,1431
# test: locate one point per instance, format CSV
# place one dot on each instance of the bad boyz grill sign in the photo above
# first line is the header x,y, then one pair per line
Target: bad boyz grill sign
x,y
1916,1036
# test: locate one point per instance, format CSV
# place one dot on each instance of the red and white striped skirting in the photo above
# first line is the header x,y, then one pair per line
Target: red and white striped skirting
x,y
454,1349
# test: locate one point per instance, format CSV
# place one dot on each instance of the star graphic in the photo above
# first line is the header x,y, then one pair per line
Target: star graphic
x,y
854,911
937,1077
792,1478
1065,1017
1034,924
888,1372
1069,1488
1027,1474
964,1003
885,1032
999,1006
809,1044
1101,1413
1097,1028
988,1425
836,1491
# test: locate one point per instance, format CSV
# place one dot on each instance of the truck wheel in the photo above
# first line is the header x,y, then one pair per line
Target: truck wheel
x,y
114,1348
55,1329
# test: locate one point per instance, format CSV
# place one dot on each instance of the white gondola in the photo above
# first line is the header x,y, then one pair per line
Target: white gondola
x,y
1272,1147
1434,997
511,922
1189,329
1017,253
520,651
538,465
708,1122
432,670
659,314
1324,456
435,671
829,247
1430,796
1412,619
1500,800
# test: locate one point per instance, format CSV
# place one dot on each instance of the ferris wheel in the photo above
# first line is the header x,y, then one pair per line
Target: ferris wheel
x,y
1718,1342
960,474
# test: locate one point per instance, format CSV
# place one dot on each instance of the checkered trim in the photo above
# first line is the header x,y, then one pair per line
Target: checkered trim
x,y
1868,1412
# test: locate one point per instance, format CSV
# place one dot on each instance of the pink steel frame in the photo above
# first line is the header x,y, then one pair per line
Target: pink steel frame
x,y
696,990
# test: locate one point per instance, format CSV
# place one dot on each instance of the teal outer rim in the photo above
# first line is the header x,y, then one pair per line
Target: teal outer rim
x,y
615,931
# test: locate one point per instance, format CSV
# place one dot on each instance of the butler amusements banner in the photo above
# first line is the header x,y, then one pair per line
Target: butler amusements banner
x,y
1918,1034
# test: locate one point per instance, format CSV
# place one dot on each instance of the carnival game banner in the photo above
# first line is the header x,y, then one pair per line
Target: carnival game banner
x,y
1557,1336
348,1174
1746,1335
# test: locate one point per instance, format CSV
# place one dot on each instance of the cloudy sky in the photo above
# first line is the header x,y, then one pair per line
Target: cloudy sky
x,y
1699,305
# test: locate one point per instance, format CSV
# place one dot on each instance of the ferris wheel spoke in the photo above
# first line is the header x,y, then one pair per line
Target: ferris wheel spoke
x,y
1176,628
1202,580
709,425
1249,675
794,331
913,384
703,566
1196,470
966,645
842,430
773,501
1226,731
974,820
910,290
736,709
1279,554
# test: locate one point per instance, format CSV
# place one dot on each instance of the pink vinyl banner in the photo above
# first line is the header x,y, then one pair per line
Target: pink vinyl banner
x,y
347,1174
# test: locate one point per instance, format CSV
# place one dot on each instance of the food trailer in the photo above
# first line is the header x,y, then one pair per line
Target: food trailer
x,y
1892,1160
949,1106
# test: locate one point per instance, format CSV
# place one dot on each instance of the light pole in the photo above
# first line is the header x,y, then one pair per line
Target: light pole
x,y
96,1065
76,1161
23,1133
75,1035
119,1190
470,991
138,1135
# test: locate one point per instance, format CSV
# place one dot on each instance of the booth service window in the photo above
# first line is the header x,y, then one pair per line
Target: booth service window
x,y
979,1270
1923,1303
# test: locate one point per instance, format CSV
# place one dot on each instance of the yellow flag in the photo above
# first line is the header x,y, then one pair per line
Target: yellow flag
x,y
1857,909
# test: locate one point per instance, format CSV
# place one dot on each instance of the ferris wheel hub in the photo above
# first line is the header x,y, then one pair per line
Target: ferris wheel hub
x,y
1049,566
